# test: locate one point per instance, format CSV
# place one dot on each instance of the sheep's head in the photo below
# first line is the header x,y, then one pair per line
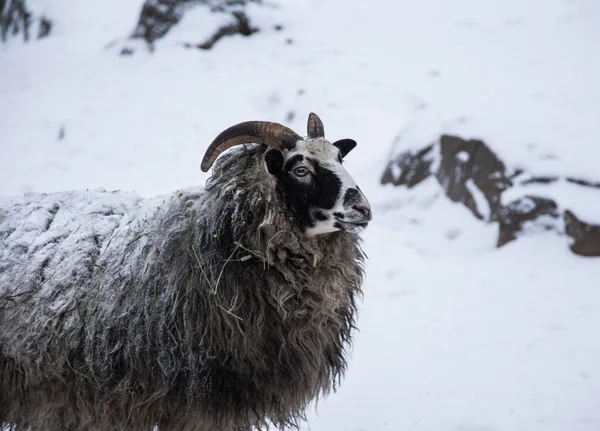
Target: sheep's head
x,y
308,172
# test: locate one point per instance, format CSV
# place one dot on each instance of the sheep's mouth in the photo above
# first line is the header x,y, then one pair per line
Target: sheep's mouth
x,y
351,225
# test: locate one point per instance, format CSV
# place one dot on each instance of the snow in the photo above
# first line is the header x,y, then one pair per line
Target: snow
x,y
396,171
454,334
463,156
483,207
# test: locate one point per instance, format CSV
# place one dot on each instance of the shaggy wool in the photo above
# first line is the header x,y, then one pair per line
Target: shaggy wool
x,y
207,309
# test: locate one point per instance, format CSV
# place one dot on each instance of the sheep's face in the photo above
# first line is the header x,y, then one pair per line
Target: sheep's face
x,y
320,194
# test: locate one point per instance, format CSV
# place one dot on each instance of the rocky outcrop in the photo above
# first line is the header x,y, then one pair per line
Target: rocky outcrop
x,y
241,25
586,236
409,169
471,173
513,218
157,17
468,171
17,20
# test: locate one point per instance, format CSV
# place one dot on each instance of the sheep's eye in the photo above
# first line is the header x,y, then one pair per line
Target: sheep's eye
x,y
301,171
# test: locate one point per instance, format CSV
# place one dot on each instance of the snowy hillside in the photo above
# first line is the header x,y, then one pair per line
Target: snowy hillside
x,y
454,334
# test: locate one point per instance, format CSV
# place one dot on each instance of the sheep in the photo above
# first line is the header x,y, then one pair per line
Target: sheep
x,y
228,307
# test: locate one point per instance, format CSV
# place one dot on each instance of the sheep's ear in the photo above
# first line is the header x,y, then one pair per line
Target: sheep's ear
x,y
345,146
274,161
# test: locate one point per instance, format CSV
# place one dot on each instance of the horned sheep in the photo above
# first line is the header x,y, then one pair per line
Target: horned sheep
x,y
228,307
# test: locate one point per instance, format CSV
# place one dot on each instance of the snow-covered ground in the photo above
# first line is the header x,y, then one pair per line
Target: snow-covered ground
x,y
454,334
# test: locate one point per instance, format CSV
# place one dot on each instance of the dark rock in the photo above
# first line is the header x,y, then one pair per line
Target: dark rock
x,y
586,236
44,28
540,180
17,20
516,172
582,182
463,161
241,26
159,16
409,169
289,117
513,217
126,51
463,167
471,173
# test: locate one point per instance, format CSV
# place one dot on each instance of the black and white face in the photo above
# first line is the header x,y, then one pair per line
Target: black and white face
x,y
320,194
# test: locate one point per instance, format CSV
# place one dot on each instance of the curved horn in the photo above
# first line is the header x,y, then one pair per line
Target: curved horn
x,y
260,132
315,126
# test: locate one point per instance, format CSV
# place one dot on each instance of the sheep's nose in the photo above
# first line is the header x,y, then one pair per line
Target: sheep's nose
x,y
364,210
358,205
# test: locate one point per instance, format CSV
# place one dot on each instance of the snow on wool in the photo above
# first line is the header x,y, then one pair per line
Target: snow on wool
x,y
202,309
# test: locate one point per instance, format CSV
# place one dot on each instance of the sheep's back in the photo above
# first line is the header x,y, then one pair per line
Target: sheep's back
x,y
50,243
48,239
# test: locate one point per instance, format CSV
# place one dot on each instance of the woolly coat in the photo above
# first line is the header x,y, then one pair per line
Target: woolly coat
x,y
206,309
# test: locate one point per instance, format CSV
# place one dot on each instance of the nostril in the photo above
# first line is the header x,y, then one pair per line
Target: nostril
x,y
364,210
360,209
